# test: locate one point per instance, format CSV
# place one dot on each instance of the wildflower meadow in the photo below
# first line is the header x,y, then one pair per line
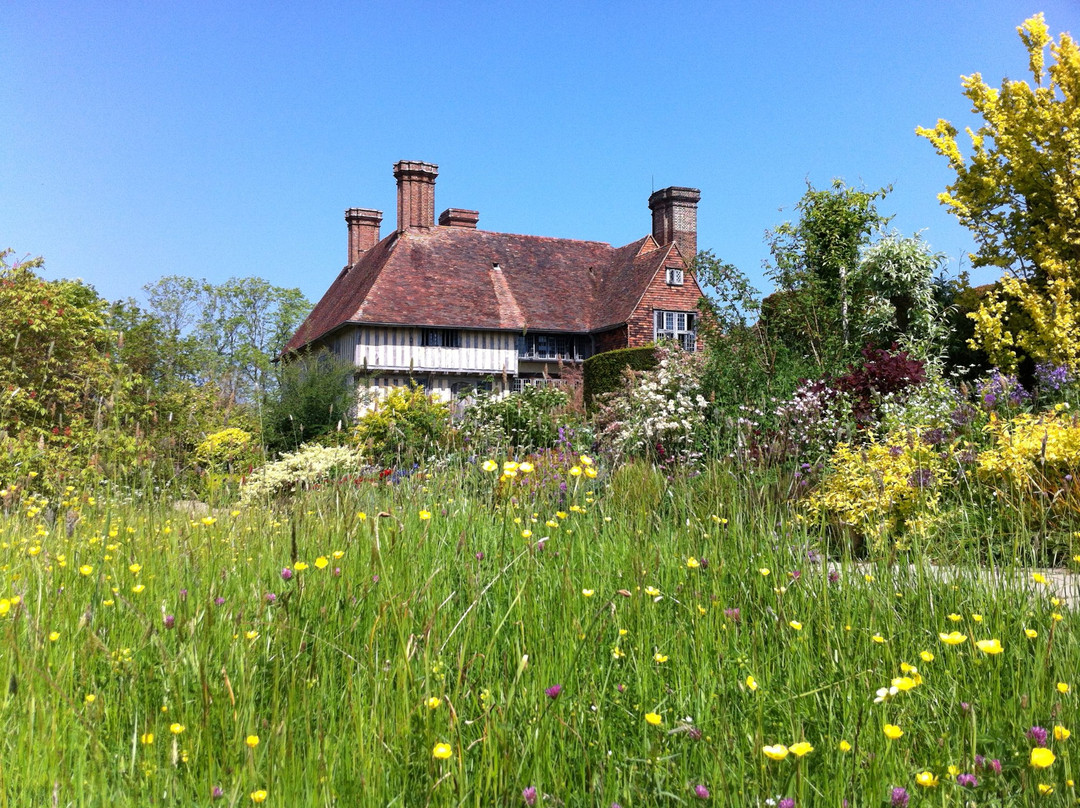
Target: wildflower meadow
x,y
822,551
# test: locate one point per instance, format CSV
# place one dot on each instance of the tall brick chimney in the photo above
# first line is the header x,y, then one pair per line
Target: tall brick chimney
x,y
674,218
415,194
363,224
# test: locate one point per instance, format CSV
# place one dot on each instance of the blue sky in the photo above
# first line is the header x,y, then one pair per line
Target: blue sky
x,y
226,139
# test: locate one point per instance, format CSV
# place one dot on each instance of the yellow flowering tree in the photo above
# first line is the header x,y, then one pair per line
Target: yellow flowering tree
x,y
1017,194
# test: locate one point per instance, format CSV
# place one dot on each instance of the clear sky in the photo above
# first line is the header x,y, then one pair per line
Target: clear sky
x,y
209,139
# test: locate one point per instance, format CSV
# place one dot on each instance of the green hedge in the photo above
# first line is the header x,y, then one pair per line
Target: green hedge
x,y
603,372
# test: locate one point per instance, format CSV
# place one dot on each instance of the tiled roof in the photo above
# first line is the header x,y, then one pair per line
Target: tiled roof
x,y
446,277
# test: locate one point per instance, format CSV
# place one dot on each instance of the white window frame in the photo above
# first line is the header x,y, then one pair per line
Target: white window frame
x,y
675,276
677,326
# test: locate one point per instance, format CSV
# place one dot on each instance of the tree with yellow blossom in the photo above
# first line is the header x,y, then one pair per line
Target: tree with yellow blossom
x,y
1019,194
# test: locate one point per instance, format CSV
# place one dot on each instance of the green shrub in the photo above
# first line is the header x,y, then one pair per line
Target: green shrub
x,y
604,372
527,420
300,470
407,424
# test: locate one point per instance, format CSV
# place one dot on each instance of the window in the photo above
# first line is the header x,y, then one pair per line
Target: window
x,y
678,326
674,276
442,338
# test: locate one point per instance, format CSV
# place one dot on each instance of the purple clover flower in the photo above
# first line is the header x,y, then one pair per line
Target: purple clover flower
x,y
270,597
529,795
967,780
701,792
286,574
219,601
216,793
170,621
900,797
1038,735
553,692
995,764
787,802
732,614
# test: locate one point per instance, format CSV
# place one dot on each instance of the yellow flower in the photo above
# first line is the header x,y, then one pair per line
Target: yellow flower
x,y
926,656
652,591
953,770
433,702
585,460
661,658
90,698
764,571
134,569
878,639
1041,758
955,617
989,646
425,515
1062,687
800,749
892,732
795,624
526,534
490,465
1061,734
54,636
926,779
442,751
977,618
321,562
209,520
751,683
1039,578
591,473
86,569
147,738
252,741
845,746
1045,790
692,563
775,752
575,471
588,592
1030,633
952,638
258,796
526,467
653,718
176,729
1057,618
617,652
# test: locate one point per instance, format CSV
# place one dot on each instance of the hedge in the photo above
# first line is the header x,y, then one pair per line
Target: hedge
x,y
604,372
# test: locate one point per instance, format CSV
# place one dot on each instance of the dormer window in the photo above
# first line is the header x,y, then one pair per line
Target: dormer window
x,y
674,276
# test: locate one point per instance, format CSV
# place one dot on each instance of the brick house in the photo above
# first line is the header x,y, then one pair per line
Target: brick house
x,y
451,306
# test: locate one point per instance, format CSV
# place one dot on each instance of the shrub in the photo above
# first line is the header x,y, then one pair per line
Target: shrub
x,y
229,450
604,372
315,395
884,492
527,420
658,413
408,422
308,466
883,373
1035,456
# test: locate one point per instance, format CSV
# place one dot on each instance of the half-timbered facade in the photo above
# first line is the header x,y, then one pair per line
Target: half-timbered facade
x,y
453,307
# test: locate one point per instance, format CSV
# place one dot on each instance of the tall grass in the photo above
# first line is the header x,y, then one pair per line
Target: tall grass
x,y
461,630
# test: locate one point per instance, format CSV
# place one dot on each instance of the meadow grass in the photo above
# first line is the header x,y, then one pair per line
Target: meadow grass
x,y
321,650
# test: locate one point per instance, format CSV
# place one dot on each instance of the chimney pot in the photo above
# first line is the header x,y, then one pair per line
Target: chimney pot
x,y
457,217
363,224
416,194
674,217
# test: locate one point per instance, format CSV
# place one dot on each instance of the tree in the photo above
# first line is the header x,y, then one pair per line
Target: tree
x,y
315,396
229,334
814,261
1019,194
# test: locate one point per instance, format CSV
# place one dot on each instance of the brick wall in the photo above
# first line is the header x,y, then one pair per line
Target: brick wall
x,y
660,295
611,340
